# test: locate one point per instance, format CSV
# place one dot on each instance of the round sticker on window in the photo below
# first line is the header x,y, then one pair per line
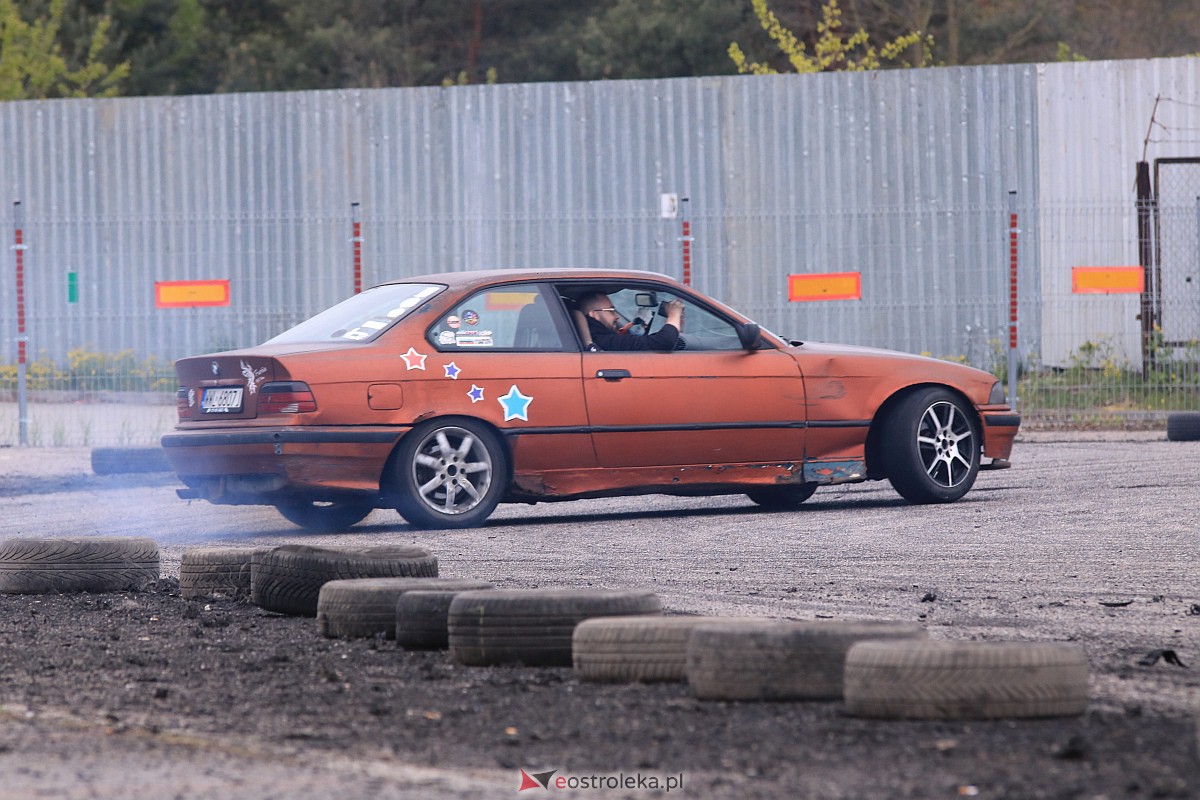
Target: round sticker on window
x,y
452,321
470,317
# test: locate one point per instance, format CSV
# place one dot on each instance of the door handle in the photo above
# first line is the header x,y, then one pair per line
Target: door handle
x,y
612,374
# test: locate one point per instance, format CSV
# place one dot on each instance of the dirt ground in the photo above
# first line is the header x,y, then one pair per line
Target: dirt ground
x,y
149,695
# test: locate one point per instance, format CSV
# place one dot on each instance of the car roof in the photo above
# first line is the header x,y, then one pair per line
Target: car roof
x,y
468,278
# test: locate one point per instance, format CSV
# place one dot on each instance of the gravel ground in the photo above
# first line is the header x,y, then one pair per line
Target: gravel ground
x,y
150,695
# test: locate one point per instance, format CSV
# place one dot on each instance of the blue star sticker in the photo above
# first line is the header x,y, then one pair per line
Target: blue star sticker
x,y
452,370
516,405
476,393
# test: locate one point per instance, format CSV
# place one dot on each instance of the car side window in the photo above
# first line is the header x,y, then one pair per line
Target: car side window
x,y
702,329
501,318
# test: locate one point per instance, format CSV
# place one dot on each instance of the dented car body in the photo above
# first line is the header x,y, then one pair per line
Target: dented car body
x,y
444,395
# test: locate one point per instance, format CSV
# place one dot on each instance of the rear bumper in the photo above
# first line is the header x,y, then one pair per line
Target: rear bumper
x,y
248,462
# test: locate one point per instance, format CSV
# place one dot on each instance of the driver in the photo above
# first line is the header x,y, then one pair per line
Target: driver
x,y
603,321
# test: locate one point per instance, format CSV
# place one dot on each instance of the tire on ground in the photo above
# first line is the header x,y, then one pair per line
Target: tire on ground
x,y
1183,427
634,649
102,564
532,626
965,680
206,571
288,579
780,660
422,619
117,460
365,607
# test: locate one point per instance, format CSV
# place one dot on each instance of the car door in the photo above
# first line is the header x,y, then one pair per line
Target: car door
x,y
709,403
511,356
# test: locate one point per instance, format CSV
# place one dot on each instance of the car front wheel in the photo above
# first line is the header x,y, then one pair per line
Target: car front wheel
x,y
782,498
324,516
931,447
449,474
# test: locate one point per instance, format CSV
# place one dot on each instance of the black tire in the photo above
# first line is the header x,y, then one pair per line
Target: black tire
x,y
930,447
288,579
782,498
634,649
422,619
365,607
757,660
45,566
532,627
325,516
208,571
965,680
1183,427
449,473
118,460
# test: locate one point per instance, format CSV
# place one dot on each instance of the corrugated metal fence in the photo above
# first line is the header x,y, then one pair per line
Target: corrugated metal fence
x,y
903,177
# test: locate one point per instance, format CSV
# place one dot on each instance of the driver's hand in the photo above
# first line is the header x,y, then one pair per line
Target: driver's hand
x,y
674,312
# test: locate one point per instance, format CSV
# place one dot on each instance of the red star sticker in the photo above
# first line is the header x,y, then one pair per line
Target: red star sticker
x,y
413,359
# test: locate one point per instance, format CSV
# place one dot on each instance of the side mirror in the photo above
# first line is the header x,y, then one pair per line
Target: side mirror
x,y
749,336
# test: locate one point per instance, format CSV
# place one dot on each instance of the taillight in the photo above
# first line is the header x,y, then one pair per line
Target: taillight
x,y
183,408
286,397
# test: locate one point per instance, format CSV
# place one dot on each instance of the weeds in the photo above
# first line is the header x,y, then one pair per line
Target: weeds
x,y
92,371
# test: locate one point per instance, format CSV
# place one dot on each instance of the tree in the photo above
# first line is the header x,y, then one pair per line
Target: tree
x,y
661,38
33,63
831,51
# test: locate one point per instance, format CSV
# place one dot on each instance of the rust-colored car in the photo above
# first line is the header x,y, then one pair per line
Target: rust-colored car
x,y
444,395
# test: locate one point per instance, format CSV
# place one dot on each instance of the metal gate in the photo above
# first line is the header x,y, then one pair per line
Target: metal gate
x,y
1174,279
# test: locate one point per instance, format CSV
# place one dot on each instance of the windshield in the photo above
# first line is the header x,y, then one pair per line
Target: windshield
x,y
362,317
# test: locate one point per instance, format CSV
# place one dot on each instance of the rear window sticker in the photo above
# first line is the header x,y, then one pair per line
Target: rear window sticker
x,y
470,317
446,337
474,340
452,370
453,321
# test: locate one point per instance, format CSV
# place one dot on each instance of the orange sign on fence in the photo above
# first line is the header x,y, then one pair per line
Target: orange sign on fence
x,y
1108,280
825,286
189,294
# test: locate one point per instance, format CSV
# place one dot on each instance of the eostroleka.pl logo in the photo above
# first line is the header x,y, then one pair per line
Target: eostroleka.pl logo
x,y
547,780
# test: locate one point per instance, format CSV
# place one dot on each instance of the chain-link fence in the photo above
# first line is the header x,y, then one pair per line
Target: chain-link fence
x,y
933,280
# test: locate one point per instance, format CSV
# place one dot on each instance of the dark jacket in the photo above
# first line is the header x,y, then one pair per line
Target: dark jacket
x,y
664,339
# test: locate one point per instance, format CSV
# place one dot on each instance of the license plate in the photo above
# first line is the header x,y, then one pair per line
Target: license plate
x,y
224,400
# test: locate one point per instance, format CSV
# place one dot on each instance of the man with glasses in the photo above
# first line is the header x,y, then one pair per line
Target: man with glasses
x,y
604,324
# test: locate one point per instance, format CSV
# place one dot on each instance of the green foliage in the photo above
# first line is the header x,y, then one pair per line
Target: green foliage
x,y
1097,382
661,38
34,63
89,371
1065,53
832,50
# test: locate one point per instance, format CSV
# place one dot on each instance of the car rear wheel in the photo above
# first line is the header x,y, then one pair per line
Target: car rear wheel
x,y
931,447
782,497
449,474
324,516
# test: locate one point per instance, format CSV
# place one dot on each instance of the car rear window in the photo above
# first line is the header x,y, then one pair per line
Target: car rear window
x,y
362,317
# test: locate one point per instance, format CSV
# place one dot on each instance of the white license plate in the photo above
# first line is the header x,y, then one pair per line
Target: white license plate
x,y
221,401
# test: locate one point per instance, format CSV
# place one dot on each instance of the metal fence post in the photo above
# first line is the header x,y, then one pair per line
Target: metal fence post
x,y
687,239
1013,231
19,248
356,238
